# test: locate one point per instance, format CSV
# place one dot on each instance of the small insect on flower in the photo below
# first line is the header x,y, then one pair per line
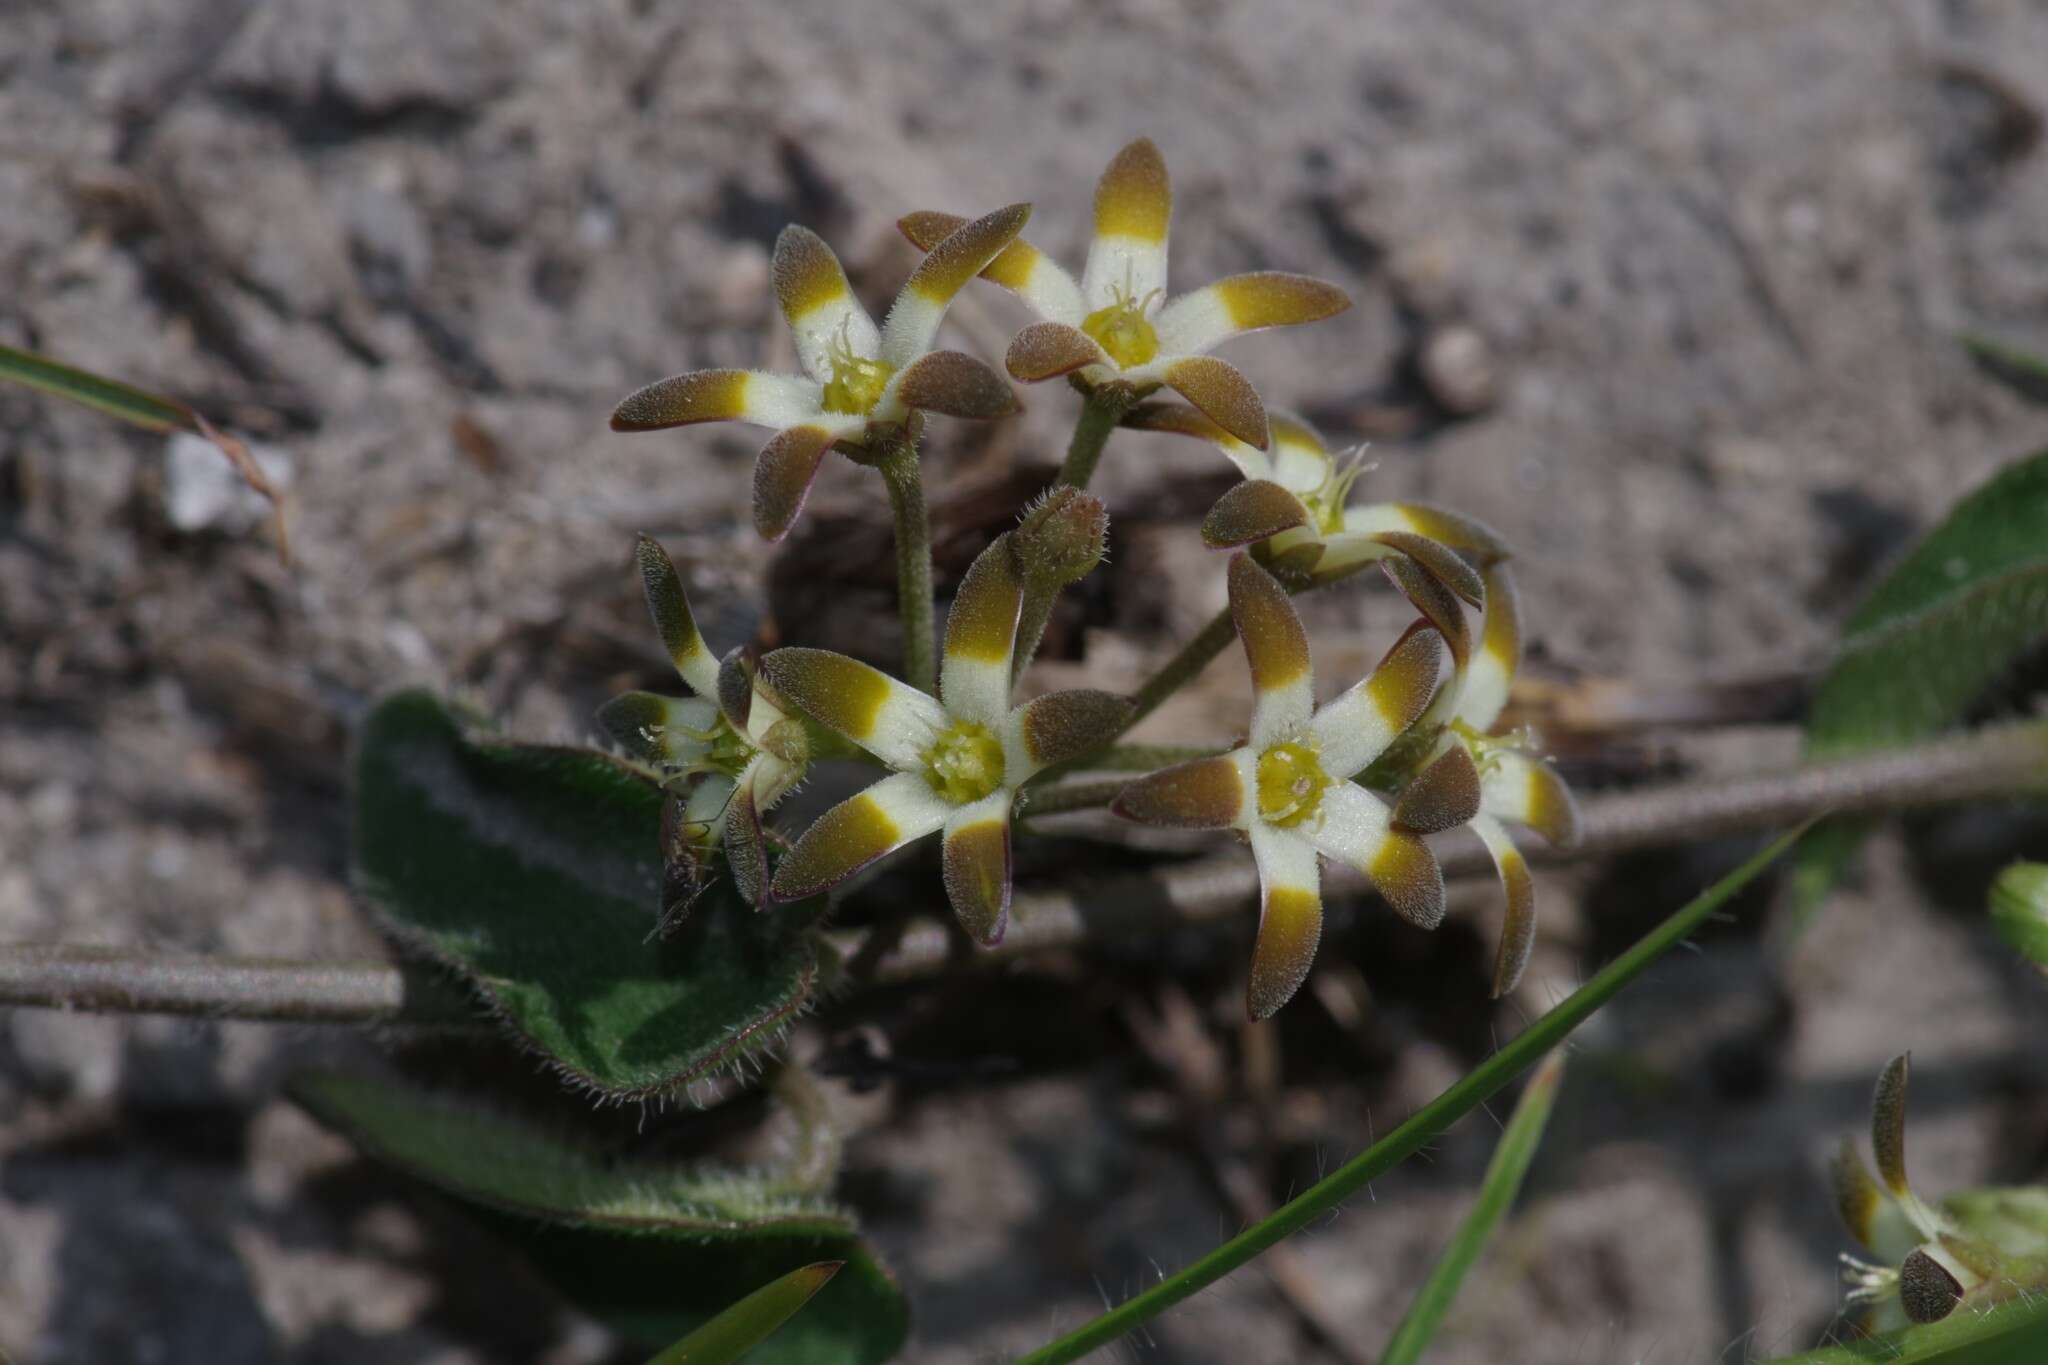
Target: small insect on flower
x,y
1289,790
959,758
1294,509
1979,1247
1117,326
861,384
725,756
1463,774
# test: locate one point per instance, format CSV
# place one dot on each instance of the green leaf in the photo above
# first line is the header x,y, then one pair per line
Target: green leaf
x,y
1497,1191
2019,907
2022,370
2010,1334
1931,639
654,1250
749,1322
534,872
1473,1090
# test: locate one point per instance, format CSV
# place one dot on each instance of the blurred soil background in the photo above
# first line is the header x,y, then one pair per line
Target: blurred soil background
x,y
1668,294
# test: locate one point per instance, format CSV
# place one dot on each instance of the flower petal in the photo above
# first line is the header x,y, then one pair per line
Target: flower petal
x,y
891,720
1059,726
951,383
1355,727
1252,511
1047,350
1441,562
1356,829
669,605
981,636
1857,1196
1223,394
735,688
1202,793
1459,532
1195,322
766,400
1019,267
1518,928
746,846
1290,918
1528,791
818,303
1442,796
1438,605
915,316
783,474
976,864
860,829
1928,1290
1295,457
1888,1124
1133,208
658,729
1276,646
1485,690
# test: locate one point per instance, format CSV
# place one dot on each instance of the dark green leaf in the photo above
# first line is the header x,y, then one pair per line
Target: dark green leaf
x,y
749,1322
1511,1158
655,1251
1941,628
534,872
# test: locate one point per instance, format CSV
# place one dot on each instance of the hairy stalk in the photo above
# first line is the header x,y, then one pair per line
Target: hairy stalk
x,y
1071,796
1101,411
905,482
1145,758
1467,1094
1995,763
1183,667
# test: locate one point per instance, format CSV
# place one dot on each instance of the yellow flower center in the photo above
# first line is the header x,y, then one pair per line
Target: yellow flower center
x,y
857,382
1291,784
965,763
1122,331
726,750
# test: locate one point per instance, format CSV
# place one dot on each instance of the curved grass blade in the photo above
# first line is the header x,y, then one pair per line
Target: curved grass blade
x,y
2013,1333
2025,372
1511,1158
1474,1089
656,1251
533,872
1932,638
745,1325
138,407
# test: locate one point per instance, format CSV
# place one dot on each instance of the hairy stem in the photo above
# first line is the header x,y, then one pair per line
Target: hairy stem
x,y
1184,667
1071,796
1994,763
905,482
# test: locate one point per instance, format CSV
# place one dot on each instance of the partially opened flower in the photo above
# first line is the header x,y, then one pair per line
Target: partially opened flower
x,y
1117,325
1295,507
1980,1247
860,383
1289,789
727,754
959,759
1472,776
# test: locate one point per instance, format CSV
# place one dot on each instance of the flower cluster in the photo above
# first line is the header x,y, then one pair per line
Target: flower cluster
x,y
1407,752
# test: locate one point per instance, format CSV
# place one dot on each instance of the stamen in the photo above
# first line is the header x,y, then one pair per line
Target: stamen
x,y
965,763
1291,784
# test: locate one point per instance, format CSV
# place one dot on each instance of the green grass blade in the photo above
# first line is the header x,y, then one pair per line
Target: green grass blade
x,y
745,1325
1462,1098
2009,1334
2022,370
110,396
1497,1192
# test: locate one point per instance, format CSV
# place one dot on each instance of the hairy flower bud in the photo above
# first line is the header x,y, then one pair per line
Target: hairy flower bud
x,y
1063,536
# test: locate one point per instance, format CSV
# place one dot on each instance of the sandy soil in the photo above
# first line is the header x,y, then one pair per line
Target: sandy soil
x,y
1666,293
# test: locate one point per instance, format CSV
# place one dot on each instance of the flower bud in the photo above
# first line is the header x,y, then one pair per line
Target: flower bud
x,y
1062,537
2019,907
